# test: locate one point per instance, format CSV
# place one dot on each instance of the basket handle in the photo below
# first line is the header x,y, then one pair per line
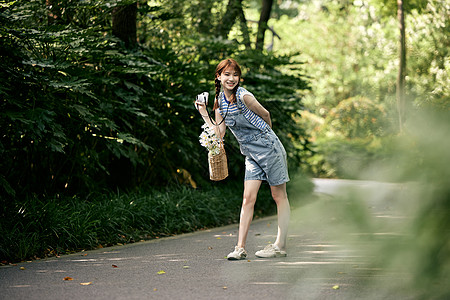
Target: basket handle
x,y
217,130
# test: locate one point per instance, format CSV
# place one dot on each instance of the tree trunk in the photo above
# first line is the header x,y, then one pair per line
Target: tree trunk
x,y
229,18
262,24
402,66
244,27
124,23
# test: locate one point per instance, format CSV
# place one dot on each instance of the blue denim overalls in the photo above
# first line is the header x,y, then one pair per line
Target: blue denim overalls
x,y
265,156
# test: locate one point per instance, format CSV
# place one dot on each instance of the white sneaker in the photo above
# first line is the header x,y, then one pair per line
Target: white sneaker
x,y
238,253
271,251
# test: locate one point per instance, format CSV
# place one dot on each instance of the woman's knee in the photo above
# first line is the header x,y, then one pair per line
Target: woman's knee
x,y
249,199
279,194
251,189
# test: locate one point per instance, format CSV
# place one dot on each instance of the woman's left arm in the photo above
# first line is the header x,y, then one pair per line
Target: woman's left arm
x,y
257,108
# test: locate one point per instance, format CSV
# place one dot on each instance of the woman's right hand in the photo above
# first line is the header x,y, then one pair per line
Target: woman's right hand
x,y
198,104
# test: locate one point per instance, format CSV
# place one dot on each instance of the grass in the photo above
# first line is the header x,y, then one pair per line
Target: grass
x,y
42,227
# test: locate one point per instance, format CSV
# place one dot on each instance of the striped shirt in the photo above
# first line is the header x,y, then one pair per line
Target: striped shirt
x,y
252,117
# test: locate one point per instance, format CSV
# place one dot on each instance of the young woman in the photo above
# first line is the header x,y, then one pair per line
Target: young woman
x,y
265,157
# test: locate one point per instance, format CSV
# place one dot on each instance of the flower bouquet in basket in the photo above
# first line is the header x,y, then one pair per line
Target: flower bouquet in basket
x,y
217,158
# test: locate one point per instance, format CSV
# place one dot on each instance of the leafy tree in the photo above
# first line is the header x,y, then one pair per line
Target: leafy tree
x,y
403,7
91,103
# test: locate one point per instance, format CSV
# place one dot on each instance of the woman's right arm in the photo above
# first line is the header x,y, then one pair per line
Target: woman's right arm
x,y
202,110
219,119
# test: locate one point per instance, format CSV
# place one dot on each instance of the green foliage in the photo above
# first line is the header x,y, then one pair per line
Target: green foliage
x,y
389,8
403,225
80,112
429,62
62,225
350,53
356,118
351,138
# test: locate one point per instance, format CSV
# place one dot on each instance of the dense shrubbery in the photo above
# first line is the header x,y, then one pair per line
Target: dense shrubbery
x,y
60,225
40,227
81,111
84,113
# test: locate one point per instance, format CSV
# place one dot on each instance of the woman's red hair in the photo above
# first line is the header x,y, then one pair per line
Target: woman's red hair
x,y
222,66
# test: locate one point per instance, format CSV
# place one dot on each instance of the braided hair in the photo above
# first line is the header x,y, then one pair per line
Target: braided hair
x,y
223,65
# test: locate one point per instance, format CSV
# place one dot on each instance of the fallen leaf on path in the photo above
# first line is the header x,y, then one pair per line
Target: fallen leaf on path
x,y
185,267
22,268
209,248
85,283
155,289
249,260
224,287
336,287
114,266
161,272
219,238
68,278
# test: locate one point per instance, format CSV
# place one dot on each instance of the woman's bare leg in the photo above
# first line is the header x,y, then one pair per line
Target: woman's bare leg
x,y
251,188
284,211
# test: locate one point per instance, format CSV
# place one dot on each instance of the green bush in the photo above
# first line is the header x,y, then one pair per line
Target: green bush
x,y
354,135
37,228
61,225
82,113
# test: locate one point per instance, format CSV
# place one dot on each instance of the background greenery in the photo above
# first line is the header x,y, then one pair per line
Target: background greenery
x,y
84,112
350,50
100,136
81,111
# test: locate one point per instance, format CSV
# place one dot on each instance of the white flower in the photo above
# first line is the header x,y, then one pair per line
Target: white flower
x,y
209,140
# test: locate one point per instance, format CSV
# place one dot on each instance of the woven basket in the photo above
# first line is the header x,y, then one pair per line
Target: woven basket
x,y
218,167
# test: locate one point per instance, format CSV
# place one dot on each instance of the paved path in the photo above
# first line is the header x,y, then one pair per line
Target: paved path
x,y
192,266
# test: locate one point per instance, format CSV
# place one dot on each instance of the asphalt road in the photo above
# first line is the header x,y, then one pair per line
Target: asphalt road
x,y
320,264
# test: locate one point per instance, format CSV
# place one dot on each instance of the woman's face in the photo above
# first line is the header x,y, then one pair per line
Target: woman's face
x,y
229,78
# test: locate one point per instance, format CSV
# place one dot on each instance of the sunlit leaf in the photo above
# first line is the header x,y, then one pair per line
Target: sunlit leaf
x,y
161,272
85,283
67,278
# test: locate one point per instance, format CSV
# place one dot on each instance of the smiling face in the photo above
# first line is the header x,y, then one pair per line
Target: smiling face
x,y
229,78
227,75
